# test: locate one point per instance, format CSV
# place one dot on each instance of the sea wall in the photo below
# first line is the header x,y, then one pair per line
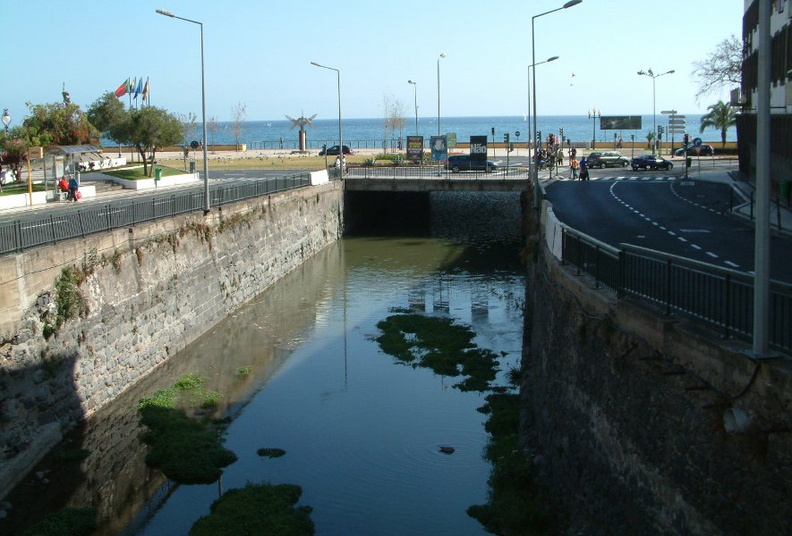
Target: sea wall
x,y
84,319
645,424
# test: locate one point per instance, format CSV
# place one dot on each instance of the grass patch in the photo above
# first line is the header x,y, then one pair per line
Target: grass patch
x,y
22,188
187,450
136,173
257,509
244,371
440,345
65,522
516,505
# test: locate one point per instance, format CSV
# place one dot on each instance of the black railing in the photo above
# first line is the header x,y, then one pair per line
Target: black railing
x,y
721,297
64,224
434,171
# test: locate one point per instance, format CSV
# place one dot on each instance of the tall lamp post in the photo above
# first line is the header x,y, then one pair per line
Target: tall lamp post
x,y
653,76
340,132
531,162
415,96
570,3
203,106
593,114
442,55
6,119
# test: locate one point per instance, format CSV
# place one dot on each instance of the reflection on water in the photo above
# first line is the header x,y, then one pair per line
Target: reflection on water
x,y
361,432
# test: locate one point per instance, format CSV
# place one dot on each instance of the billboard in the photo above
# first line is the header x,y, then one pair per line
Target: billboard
x,y
415,148
478,149
620,122
439,146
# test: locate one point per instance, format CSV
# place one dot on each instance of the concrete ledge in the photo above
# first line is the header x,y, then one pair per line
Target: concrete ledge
x,y
14,470
150,184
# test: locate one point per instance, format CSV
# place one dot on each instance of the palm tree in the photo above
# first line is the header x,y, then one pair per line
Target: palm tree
x,y
721,116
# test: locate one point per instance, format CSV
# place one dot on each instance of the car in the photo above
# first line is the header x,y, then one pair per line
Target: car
x,y
602,159
651,162
463,162
693,150
334,150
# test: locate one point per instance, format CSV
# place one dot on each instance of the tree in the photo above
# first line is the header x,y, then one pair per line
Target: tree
x,y
720,116
59,123
105,113
15,154
148,129
721,68
238,113
211,125
393,109
650,137
188,126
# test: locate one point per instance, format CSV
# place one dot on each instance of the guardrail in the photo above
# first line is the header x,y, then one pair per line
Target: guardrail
x,y
718,296
431,172
34,231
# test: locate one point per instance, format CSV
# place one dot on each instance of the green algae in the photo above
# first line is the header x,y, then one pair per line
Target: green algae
x,y
257,509
441,345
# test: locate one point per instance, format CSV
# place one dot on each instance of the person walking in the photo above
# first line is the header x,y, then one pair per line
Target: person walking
x,y
72,189
584,174
573,167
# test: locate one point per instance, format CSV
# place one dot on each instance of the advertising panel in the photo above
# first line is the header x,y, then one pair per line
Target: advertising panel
x,y
439,148
620,122
478,149
415,148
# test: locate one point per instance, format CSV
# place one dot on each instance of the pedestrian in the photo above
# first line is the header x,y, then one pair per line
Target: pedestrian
x,y
573,168
72,189
584,174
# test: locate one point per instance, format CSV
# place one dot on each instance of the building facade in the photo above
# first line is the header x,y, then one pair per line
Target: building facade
x,y
780,95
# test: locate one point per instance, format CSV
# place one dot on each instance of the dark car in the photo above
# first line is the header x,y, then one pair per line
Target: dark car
x,y
602,159
692,150
463,162
334,150
651,162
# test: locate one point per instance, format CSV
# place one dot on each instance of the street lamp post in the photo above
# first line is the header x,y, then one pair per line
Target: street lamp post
x,y
442,55
593,114
415,96
203,106
570,3
6,119
653,76
340,132
531,162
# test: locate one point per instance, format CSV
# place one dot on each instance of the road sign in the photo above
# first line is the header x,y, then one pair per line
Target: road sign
x,y
678,117
676,130
696,142
668,112
676,122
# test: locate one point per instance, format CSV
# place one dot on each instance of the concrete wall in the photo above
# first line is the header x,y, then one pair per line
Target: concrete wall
x,y
147,292
628,416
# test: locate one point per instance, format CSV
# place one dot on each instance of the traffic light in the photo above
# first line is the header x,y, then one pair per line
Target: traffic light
x,y
506,137
685,139
561,132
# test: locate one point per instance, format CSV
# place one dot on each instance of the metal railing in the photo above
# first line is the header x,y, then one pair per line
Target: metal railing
x,y
64,224
432,172
718,296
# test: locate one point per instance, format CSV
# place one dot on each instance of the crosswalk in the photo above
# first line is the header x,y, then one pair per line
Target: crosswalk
x,y
636,178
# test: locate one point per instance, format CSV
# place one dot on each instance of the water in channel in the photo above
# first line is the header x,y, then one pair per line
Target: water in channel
x,y
362,433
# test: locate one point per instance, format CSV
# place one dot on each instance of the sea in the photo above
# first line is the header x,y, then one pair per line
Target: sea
x,y
373,133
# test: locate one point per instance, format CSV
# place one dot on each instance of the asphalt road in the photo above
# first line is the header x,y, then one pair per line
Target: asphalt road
x,y
687,218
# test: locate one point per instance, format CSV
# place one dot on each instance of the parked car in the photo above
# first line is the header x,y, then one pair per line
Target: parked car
x,y
601,159
692,150
334,150
463,162
651,162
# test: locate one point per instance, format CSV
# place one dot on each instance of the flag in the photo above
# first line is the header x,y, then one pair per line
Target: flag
x,y
130,87
145,90
122,89
139,88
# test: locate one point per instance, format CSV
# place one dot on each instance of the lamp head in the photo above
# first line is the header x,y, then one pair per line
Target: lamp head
x,y
165,12
6,117
650,72
411,82
572,3
442,55
641,72
553,58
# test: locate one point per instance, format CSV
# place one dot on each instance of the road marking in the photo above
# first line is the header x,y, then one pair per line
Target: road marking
x,y
694,230
732,264
711,254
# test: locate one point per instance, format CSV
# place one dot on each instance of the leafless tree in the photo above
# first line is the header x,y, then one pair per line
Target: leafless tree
x,y
238,113
721,68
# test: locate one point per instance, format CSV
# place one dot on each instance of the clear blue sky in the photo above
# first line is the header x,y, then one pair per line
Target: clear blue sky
x,y
258,53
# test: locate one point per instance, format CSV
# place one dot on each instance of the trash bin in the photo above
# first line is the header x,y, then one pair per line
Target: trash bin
x,y
192,166
157,173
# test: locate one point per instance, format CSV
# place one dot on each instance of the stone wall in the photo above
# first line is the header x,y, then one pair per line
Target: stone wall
x,y
628,416
139,296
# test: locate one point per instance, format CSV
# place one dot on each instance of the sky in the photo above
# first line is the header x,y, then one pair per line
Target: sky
x,y
258,55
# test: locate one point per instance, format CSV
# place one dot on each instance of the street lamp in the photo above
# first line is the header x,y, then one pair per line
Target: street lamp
x,y
203,106
415,95
569,4
340,134
593,114
653,76
530,159
6,119
442,55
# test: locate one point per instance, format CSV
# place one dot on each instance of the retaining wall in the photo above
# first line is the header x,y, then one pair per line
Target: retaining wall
x,y
141,295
